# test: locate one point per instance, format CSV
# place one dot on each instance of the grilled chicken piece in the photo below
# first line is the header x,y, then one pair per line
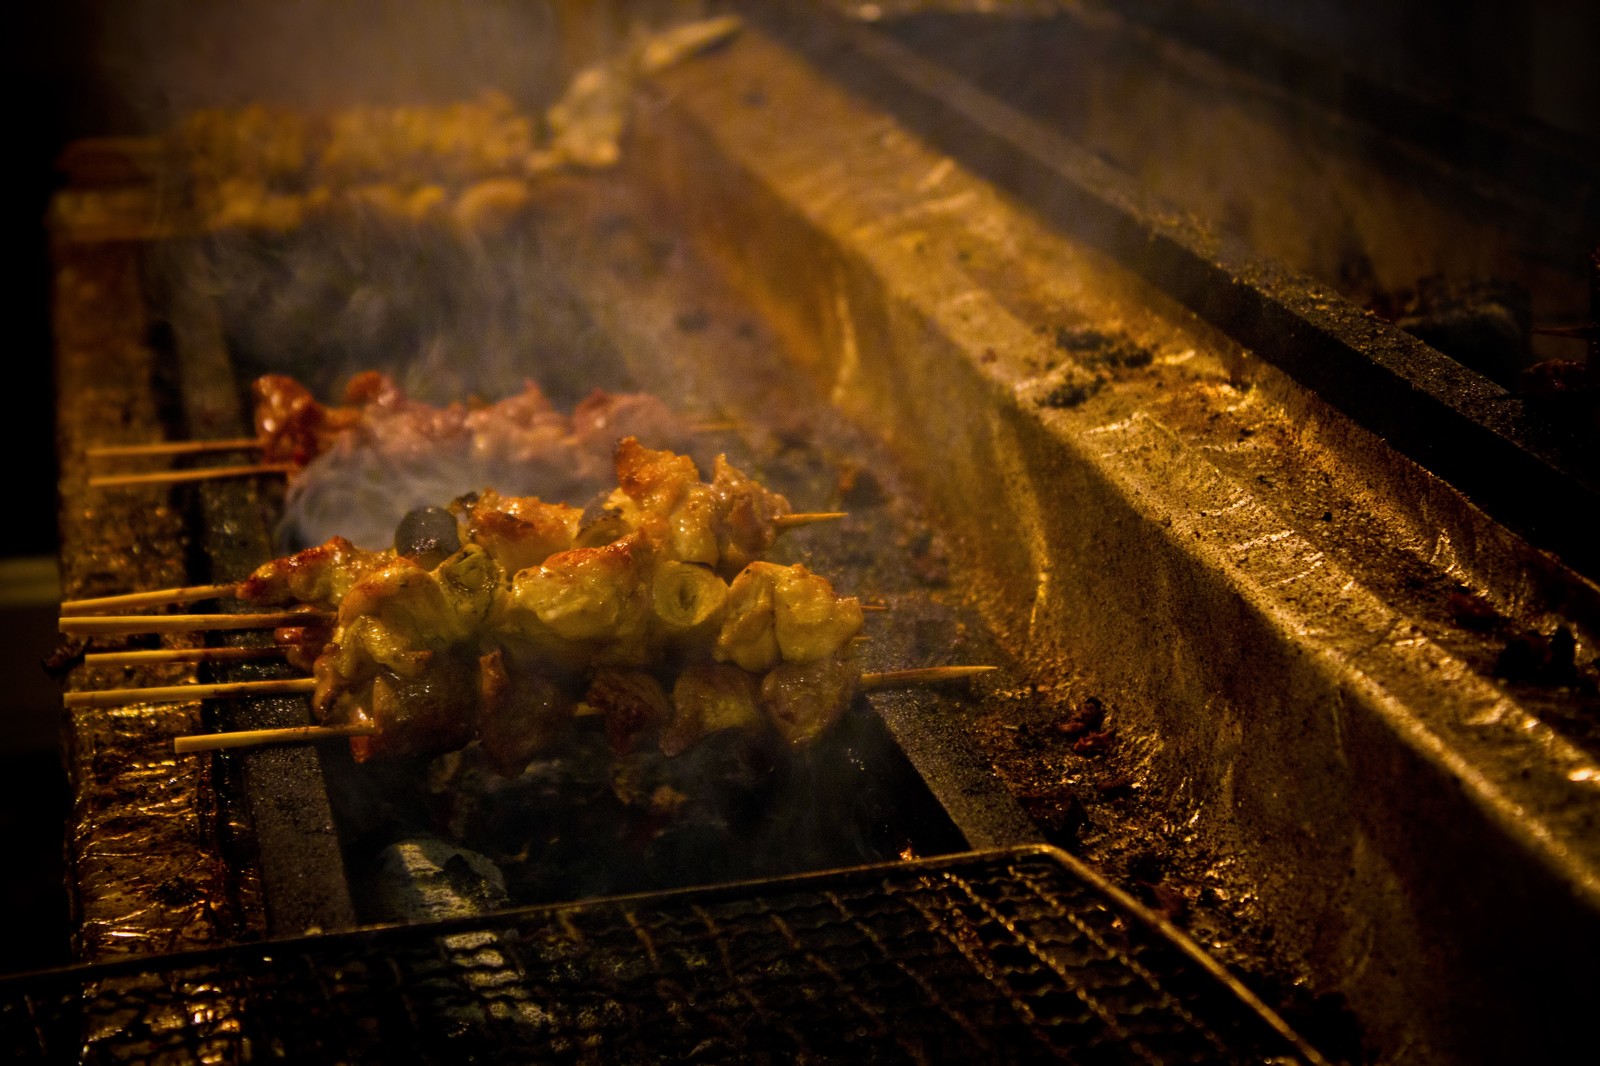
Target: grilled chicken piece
x,y
405,654
522,711
303,643
518,531
318,577
802,700
596,599
724,524
603,418
292,426
687,604
783,614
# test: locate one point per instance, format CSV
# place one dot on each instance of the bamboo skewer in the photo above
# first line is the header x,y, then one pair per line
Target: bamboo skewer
x,y
249,738
239,444
790,521
300,686
172,477
183,655
926,675
153,598
222,690
173,447
120,625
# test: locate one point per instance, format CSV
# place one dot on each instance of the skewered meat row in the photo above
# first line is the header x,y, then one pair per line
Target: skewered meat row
x,y
723,524
357,467
376,414
466,163
436,657
269,168
650,609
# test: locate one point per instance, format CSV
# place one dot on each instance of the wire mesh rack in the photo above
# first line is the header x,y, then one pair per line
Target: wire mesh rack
x,y
1003,956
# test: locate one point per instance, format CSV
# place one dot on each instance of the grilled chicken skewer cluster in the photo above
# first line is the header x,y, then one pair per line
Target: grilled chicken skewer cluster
x,y
503,619
504,616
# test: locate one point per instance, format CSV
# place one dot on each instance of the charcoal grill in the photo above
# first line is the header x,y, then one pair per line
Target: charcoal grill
x,y
1215,495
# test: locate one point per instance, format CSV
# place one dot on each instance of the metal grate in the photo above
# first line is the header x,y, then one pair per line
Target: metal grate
x,y
1006,956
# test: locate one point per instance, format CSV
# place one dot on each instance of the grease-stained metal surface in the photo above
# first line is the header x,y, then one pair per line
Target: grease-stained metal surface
x,y
151,866
1020,956
1305,747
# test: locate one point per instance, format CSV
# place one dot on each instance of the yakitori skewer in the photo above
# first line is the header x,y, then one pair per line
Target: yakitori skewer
x,y
254,738
121,625
86,609
297,686
196,593
294,429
